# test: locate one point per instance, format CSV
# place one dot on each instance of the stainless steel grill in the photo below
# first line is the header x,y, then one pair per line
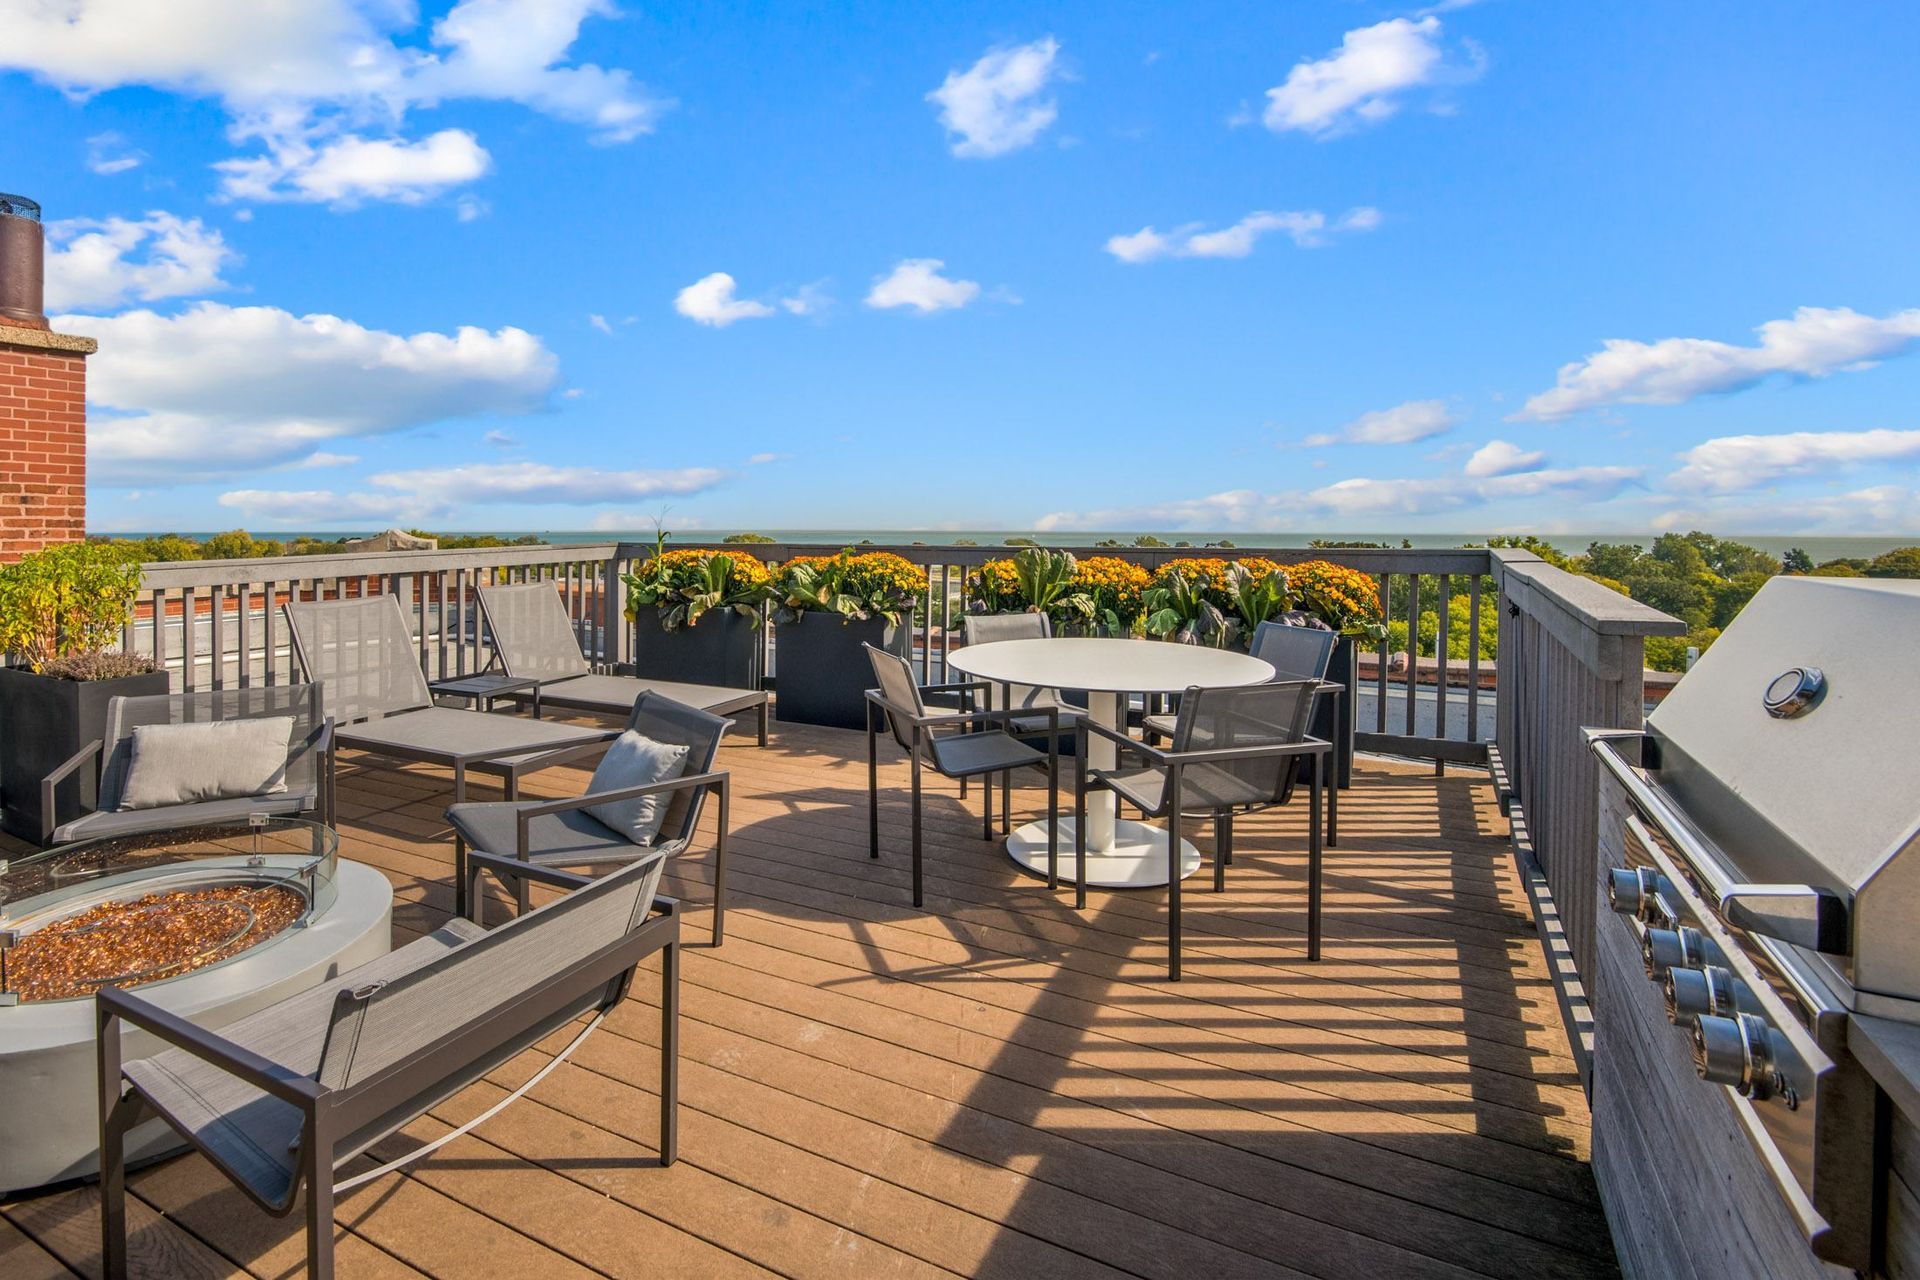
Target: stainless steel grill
x,y
1770,874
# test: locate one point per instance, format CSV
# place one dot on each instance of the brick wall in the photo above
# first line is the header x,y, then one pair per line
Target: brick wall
x,y
43,439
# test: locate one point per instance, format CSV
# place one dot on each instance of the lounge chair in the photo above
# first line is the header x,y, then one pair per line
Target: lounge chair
x,y
290,1093
364,656
561,833
533,639
298,763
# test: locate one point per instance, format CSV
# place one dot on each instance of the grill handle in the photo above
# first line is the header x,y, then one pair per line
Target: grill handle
x,y
1795,913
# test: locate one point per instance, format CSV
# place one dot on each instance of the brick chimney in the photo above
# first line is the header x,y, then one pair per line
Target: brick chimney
x,y
43,399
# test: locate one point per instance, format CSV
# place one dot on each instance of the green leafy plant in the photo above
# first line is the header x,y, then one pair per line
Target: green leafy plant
x,y
686,585
857,586
1257,593
1033,580
67,601
1178,608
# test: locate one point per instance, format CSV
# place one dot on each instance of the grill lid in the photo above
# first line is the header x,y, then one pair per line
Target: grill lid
x,y
1794,742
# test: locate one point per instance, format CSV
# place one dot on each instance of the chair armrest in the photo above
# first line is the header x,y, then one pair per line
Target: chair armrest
x,y
1089,725
1304,747
508,868
717,780
264,1074
48,818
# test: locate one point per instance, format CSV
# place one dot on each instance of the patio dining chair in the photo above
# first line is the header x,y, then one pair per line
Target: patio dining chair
x,y
567,833
1233,750
362,653
963,744
991,628
170,760
534,639
1295,653
287,1095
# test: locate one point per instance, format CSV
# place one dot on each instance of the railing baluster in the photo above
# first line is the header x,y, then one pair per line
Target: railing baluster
x,y
1473,658
272,654
1413,649
216,648
188,646
245,645
1442,635
1380,665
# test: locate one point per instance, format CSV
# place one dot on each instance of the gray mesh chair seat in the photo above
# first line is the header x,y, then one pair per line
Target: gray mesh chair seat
x,y
303,768
1232,750
251,1135
561,833
533,639
285,1096
363,654
963,744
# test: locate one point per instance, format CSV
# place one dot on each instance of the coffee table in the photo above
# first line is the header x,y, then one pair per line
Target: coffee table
x,y
1121,853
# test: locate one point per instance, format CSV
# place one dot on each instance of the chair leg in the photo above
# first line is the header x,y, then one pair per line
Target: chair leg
x,y
917,897
763,724
720,871
114,1122
986,806
1173,886
873,787
669,1053
319,1175
1080,837
1333,807
1053,818
1313,865
1222,848
1006,801
461,902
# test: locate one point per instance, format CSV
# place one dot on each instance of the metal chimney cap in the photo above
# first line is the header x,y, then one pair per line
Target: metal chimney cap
x,y
12,206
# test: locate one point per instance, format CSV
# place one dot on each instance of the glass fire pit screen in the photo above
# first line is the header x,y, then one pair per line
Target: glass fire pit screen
x,y
137,909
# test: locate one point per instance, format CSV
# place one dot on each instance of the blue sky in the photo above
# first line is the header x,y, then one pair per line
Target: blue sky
x,y
1478,267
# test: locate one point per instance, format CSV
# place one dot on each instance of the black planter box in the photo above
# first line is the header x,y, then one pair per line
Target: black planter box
x,y
43,721
1333,718
821,673
720,649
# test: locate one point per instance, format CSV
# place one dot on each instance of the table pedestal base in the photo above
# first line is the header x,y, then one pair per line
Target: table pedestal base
x,y
1137,860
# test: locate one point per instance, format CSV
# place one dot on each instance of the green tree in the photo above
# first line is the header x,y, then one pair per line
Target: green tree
x,y
1613,560
1730,595
1020,542
746,537
1537,545
1902,562
1796,561
1148,540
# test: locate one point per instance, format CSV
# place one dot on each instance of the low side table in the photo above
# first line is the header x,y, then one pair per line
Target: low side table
x,y
482,690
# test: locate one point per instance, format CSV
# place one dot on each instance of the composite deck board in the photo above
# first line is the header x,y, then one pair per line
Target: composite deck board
x,y
994,1085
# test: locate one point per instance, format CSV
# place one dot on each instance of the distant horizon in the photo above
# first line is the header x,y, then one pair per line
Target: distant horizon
x,y
1820,547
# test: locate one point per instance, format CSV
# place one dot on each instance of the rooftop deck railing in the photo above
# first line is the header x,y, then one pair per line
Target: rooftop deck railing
x,y
1569,653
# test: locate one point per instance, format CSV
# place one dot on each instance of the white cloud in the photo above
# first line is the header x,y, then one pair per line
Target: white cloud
x,y
1307,228
1732,463
437,492
1363,81
315,461
710,301
600,322
1815,342
1358,498
807,300
762,459
1881,509
221,389
917,283
108,154
1402,424
306,78
1499,458
93,263
995,106
501,440
348,169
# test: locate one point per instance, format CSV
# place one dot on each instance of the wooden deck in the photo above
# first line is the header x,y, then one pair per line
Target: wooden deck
x,y
997,1085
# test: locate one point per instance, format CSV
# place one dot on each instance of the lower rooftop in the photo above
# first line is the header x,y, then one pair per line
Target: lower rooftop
x,y
995,1085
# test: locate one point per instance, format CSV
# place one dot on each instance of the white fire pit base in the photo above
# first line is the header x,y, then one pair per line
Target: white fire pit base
x,y
49,1113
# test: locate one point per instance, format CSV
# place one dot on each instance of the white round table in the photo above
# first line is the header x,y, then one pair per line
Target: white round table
x,y
1121,854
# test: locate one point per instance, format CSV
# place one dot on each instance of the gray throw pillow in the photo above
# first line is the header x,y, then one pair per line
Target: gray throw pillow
x,y
206,760
635,760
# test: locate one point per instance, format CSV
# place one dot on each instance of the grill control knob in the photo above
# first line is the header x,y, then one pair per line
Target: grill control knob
x,y
1693,992
1664,949
1630,889
1736,1052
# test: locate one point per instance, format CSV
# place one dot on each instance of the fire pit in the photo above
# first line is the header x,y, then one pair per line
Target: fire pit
x,y
214,921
